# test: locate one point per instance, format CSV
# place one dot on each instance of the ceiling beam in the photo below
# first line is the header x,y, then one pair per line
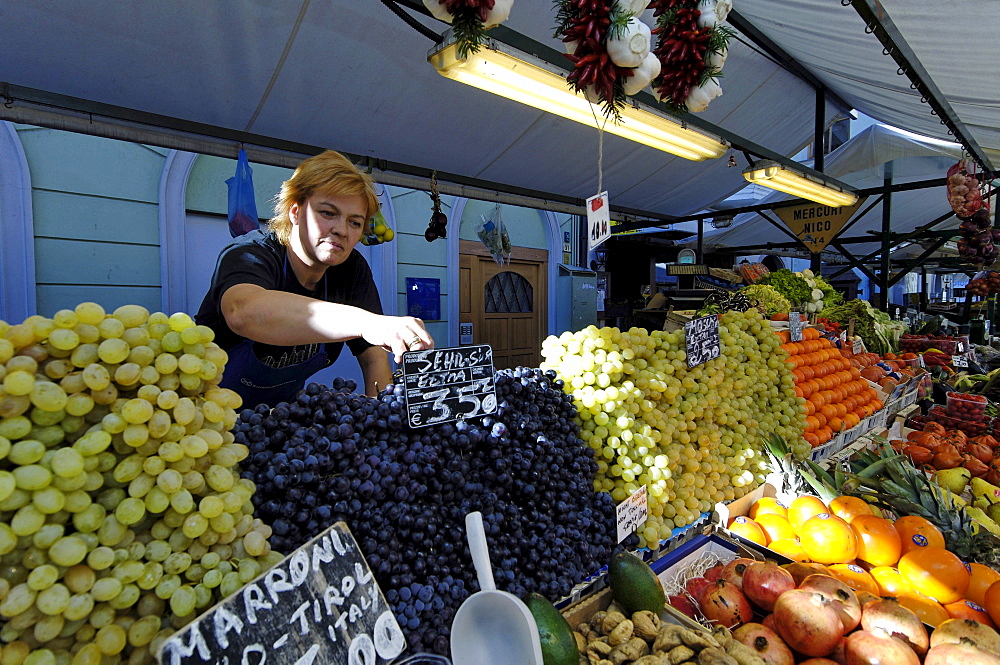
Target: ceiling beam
x,y
877,21
779,55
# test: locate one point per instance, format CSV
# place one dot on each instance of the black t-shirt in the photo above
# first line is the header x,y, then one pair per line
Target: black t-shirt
x,y
259,258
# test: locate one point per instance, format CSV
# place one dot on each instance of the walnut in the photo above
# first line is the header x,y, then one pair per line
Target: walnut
x,y
598,650
611,621
646,625
622,633
634,649
679,654
668,637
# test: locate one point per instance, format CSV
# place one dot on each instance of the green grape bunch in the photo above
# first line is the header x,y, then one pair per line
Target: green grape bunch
x,y
122,513
691,436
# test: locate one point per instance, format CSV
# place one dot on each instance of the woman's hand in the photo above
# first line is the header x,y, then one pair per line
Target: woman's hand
x,y
398,334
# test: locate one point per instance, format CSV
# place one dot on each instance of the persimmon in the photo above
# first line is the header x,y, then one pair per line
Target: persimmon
x,y
827,538
916,532
934,572
879,542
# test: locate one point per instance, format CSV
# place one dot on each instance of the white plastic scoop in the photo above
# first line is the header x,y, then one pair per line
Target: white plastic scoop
x,y
492,627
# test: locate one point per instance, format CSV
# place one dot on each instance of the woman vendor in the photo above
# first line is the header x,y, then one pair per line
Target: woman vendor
x,y
284,301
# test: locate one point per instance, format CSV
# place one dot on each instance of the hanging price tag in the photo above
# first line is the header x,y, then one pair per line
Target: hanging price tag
x,y
795,326
598,220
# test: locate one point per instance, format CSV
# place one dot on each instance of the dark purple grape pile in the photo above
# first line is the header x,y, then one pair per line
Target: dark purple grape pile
x,y
332,455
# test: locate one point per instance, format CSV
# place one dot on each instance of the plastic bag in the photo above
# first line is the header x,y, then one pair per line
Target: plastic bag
x,y
493,234
242,204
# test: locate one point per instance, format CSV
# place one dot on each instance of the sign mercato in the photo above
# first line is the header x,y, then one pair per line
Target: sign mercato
x,y
816,224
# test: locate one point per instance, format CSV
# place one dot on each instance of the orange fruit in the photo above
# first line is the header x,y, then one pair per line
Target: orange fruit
x,y
789,548
981,578
991,602
878,541
746,527
890,582
935,572
855,577
828,539
966,609
776,527
917,532
849,507
803,508
929,610
767,504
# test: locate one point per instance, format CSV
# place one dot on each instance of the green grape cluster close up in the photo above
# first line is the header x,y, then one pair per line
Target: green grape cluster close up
x,y
691,436
121,510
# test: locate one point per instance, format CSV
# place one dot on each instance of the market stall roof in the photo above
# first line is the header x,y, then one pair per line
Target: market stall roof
x,y
350,75
863,162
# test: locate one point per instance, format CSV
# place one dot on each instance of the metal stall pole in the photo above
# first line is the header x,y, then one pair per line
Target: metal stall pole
x,y
886,246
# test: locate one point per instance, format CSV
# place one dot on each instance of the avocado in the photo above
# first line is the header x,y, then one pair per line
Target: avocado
x,y
558,643
634,585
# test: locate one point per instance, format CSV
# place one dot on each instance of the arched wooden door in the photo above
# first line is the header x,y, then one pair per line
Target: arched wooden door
x,y
506,305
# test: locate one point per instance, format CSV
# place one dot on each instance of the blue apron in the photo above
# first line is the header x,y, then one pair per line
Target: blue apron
x,y
258,383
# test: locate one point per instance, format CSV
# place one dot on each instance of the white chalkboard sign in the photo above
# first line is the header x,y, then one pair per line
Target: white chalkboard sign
x,y
795,326
701,340
319,605
444,385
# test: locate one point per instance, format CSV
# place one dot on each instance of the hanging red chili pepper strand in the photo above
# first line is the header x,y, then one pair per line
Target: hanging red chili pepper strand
x,y
681,49
482,7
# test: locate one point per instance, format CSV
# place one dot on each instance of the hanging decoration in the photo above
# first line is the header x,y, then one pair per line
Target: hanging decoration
x,y
470,19
692,47
610,49
493,234
979,243
437,227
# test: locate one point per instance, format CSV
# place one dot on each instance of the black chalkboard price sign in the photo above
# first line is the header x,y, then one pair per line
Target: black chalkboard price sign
x,y
795,326
701,340
444,385
319,605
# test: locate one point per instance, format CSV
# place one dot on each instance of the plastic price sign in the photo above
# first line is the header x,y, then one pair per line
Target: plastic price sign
x,y
632,512
444,385
701,340
795,326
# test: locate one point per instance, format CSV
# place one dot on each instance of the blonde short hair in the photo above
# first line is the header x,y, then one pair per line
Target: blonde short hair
x,y
329,173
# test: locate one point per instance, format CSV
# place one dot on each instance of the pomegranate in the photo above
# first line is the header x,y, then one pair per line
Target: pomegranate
x,y
696,585
965,653
765,643
888,615
800,570
768,622
725,604
733,572
877,648
953,631
864,596
808,622
842,598
714,573
839,653
683,604
764,582
818,661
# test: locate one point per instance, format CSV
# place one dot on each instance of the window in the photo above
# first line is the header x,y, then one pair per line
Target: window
x,y
509,293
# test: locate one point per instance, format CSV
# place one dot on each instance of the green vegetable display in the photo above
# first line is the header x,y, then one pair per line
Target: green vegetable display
x,y
831,296
769,300
791,286
880,334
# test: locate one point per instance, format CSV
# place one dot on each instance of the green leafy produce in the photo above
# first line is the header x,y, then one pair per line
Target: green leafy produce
x,y
788,284
831,296
874,327
769,300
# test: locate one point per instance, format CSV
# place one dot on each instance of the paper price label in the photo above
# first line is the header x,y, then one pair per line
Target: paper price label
x,y
959,361
598,220
859,346
632,512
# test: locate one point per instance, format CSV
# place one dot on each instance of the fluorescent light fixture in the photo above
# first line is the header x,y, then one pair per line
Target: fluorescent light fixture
x,y
510,73
774,175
